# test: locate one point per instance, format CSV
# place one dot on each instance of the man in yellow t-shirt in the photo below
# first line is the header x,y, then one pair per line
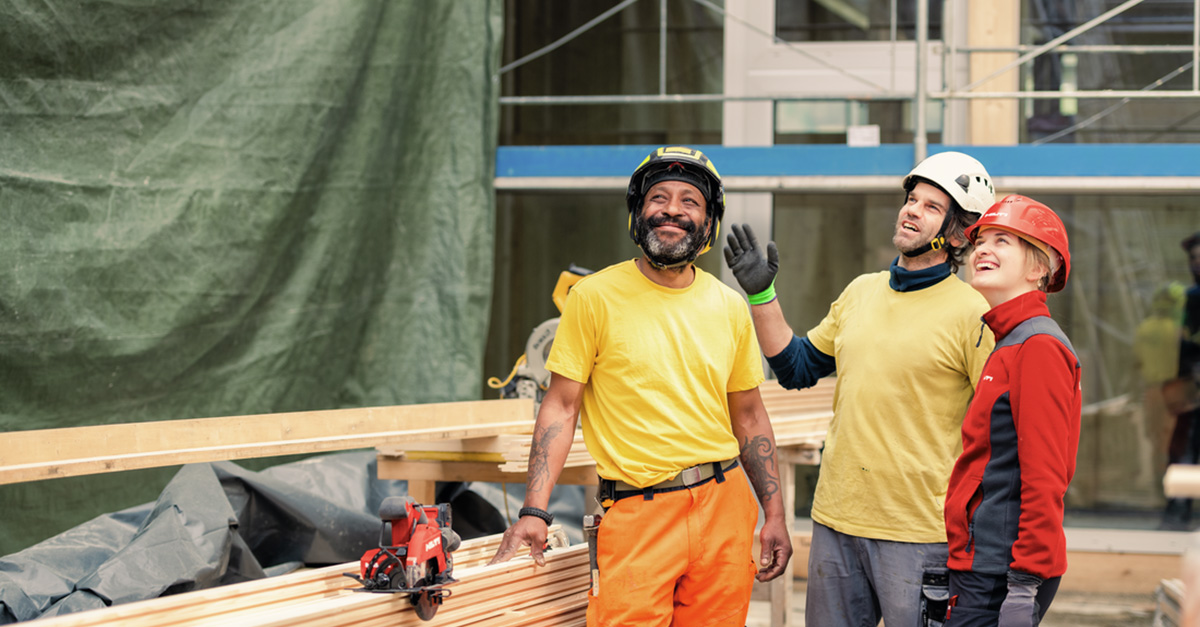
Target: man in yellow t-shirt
x,y
660,360
907,345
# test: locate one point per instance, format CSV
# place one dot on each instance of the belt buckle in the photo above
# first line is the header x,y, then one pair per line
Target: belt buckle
x,y
690,476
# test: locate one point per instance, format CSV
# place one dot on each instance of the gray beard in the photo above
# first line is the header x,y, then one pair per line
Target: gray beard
x,y
664,254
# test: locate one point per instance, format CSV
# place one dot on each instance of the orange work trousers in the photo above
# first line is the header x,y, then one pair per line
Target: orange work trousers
x,y
683,558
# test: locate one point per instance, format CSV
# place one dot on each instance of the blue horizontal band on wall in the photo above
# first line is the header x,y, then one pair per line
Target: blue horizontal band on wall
x,y
1050,160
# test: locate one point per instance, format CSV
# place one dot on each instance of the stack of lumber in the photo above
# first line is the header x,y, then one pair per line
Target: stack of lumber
x,y
1169,603
799,418
517,459
513,593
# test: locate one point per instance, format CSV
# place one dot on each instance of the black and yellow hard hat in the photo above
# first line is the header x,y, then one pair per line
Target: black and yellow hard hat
x,y
678,163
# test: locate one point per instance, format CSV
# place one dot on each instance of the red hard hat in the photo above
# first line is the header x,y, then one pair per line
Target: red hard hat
x,y
1035,222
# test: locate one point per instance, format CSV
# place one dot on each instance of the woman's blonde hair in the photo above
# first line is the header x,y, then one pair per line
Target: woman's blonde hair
x,y
1035,256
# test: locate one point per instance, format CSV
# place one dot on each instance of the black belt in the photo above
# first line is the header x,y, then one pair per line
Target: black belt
x,y
612,491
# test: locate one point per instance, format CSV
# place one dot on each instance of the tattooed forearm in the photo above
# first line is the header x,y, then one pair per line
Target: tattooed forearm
x,y
539,457
758,458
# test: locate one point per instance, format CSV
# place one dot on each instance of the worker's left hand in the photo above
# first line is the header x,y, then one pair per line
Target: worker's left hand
x,y
776,550
528,531
1020,605
754,271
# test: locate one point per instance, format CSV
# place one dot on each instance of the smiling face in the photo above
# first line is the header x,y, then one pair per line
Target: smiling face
x,y
673,219
920,220
1004,266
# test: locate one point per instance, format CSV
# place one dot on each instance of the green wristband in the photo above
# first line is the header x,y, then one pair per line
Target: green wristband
x,y
764,296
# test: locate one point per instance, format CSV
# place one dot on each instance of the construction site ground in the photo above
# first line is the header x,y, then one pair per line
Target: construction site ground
x,y
1070,609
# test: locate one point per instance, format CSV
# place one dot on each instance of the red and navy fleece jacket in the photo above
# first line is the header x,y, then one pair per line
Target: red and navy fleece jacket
x,y
1004,506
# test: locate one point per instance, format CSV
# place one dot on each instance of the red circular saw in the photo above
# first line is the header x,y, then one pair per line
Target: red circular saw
x,y
414,558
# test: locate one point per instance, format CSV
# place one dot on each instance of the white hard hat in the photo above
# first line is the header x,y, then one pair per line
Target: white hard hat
x,y
961,176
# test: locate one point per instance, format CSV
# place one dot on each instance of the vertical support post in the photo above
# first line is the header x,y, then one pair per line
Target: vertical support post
x,y
920,135
746,123
662,48
994,24
423,490
894,16
949,51
783,587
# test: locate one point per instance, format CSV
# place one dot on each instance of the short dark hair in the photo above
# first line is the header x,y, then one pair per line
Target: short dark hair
x,y
960,221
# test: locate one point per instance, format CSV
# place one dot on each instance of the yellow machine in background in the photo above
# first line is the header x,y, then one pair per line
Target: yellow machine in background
x,y
529,377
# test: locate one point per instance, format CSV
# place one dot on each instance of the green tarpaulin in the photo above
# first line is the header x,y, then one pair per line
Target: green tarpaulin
x,y
236,207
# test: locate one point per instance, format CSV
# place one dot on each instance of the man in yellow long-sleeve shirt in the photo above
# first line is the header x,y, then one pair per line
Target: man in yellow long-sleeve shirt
x,y
908,345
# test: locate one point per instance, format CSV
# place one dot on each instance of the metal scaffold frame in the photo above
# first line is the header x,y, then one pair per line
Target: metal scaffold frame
x,y
761,69
949,53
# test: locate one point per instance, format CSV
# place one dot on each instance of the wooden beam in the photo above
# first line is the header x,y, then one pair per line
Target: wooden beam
x,y
423,490
800,419
327,594
1182,481
54,453
1118,573
496,444
995,24
392,468
1173,601
1102,572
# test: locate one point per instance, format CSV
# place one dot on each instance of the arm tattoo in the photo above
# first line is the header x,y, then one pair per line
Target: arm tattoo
x,y
758,458
539,457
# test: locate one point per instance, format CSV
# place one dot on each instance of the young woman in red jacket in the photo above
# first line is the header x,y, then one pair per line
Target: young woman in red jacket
x,y
1004,507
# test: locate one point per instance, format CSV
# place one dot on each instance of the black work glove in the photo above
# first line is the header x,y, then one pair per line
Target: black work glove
x,y
754,272
1020,605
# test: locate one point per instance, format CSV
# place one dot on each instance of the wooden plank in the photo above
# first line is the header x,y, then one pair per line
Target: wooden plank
x,y
1170,598
800,419
782,599
423,490
1087,571
54,453
451,456
1182,481
392,468
473,601
994,24
309,588
1118,573
499,444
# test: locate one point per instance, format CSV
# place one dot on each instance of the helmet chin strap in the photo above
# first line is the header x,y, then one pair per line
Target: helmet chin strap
x,y
937,243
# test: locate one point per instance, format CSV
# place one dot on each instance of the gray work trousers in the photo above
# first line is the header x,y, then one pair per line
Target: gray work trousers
x,y
855,582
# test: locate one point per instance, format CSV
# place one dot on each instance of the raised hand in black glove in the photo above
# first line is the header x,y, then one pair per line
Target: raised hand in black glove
x,y
754,272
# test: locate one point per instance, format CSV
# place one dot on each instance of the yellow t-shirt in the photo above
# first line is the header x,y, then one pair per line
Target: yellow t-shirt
x,y
907,364
658,364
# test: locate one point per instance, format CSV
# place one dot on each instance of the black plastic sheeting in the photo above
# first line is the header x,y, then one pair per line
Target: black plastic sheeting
x,y
217,524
